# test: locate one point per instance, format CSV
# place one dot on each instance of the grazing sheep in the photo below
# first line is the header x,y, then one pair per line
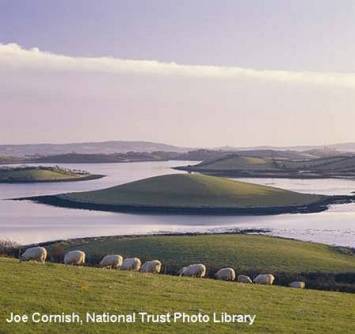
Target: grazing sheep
x,y
226,274
193,270
153,267
75,257
267,279
181,271
298,284
132,263
111,261
35,254
244,279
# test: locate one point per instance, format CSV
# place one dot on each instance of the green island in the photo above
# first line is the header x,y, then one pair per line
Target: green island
x,y
31,174
238,165
54,288
193,194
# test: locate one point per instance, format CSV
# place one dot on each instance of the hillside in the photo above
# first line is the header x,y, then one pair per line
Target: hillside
x,y
192,193
236,161
42,174
54,288
247,253
236,165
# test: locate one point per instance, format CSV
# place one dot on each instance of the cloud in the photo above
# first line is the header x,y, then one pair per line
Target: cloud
x,y
15,57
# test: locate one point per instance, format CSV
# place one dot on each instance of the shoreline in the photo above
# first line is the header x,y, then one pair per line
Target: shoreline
x,y
74,179
55,200
265,174
246,231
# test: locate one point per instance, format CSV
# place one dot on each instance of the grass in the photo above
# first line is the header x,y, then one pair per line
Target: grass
x,y
193,191
40,174
236,162
245,253
54,288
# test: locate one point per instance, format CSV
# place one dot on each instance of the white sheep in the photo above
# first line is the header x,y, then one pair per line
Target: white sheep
x,y
153,267
244,279
111,261
298,285
132,263
193,270
267,279
35,254
226,274
75,257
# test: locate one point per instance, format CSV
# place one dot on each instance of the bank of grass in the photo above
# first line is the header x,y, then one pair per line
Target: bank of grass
x,y
245,253
55,288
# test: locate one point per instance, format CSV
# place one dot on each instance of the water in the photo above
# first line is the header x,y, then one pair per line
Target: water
x,y
28,222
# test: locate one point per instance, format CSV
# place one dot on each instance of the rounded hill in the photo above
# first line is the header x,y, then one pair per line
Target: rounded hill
x,y
190,193
236,161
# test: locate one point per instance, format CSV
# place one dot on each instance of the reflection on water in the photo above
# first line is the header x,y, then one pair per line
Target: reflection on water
x,y
29,222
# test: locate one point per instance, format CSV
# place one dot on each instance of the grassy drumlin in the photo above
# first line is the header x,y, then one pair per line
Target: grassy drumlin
x,y
193,194
33,174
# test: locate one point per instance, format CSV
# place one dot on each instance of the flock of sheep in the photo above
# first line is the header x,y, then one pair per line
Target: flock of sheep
x,y
77,257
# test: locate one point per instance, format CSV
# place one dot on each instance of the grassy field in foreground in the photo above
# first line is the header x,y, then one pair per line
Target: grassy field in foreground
x,y
245,253
55,288
193,190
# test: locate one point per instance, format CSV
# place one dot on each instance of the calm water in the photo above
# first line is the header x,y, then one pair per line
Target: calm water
x,y
28,222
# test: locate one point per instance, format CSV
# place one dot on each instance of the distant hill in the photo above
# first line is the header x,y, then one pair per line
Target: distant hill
x,y
236,161
108,147
237,165
343,147
122,147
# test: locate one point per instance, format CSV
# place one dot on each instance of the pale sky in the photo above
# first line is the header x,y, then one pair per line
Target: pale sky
x,y
189,73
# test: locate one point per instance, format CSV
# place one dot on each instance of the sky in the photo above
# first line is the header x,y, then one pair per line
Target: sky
x,y
189,73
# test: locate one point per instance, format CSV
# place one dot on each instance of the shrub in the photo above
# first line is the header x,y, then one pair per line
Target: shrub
x,y
9,248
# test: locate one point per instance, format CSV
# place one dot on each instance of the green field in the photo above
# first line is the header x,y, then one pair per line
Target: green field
x,y
245,253
41,174
192,191
55,288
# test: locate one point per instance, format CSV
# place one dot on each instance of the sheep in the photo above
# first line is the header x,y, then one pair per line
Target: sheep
x,y
34,253
298,284
132,263
153,267
193,270
111,261
180,272
267,279
244,279
75,257
226,274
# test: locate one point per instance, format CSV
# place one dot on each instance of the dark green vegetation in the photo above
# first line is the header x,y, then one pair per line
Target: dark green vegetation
x,y
42,174
54,288
237,165
191,193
